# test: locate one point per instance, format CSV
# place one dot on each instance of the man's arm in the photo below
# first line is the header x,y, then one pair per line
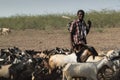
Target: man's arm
x,y
88,26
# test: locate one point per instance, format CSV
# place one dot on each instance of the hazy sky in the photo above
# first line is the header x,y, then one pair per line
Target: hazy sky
x,y
36,7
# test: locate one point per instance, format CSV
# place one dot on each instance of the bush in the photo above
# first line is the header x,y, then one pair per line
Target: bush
x,y
100,19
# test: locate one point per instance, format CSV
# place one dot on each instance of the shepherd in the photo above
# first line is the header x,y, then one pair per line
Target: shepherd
x,y
78,32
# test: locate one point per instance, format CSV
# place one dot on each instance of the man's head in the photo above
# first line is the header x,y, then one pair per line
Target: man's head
x,y
80,14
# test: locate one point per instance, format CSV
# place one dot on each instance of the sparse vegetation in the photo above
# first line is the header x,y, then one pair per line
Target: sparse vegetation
x,y
102,19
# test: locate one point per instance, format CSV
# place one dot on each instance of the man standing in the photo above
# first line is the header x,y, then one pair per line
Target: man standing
x,y
79,30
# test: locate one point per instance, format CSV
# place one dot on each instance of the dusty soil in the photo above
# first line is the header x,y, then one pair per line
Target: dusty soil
x,y
40,40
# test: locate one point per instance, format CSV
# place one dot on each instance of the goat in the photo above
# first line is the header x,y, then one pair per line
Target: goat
x,y
99,57
5,31
4,71
60,60
95,59
110,53
88,70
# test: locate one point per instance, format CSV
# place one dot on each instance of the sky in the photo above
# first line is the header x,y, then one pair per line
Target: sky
x,y
40,7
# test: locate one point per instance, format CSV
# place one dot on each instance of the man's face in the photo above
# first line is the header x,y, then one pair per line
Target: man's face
x,y
80,15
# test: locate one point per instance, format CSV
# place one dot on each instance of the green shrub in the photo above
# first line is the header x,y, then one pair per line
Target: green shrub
x,y
102,19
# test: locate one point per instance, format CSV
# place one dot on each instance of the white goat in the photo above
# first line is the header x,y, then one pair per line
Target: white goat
x,y
99,57
95,59
4,71
111,53
88,70
5,31
59,60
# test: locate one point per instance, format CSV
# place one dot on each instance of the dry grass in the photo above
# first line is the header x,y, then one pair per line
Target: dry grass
x,y
41,40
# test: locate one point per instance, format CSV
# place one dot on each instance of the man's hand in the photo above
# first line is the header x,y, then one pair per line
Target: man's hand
x,y
89,23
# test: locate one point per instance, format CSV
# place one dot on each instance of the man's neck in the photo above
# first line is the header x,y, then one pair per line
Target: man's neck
x,y
80,20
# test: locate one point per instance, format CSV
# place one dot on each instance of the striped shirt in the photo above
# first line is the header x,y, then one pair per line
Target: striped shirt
x,y
79,31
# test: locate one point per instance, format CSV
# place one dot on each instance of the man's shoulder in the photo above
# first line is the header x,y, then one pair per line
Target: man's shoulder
x,y
74,21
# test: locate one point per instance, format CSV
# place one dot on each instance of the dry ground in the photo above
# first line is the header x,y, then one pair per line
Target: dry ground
x,y
40,40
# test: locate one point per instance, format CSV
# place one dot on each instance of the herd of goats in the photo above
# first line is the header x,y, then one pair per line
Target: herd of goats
x,y
58,64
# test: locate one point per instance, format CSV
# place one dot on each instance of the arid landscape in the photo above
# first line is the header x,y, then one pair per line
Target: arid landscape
x,y
103,40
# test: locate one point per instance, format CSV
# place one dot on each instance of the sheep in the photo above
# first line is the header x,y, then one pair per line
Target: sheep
x,y
5,31
88,70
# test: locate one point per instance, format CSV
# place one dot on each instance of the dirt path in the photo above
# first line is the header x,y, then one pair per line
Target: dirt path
x,y
41,40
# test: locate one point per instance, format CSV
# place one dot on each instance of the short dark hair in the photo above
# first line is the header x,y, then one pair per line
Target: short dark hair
x,y
82,11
